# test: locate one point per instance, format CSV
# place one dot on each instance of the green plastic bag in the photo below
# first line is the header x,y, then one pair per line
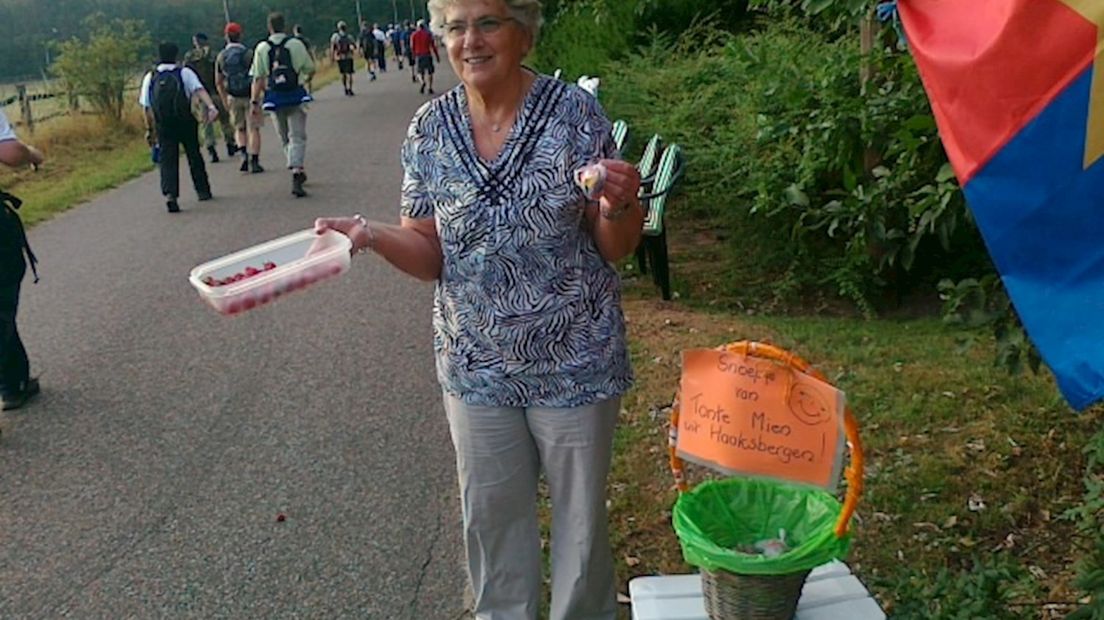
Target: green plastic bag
x,y
718,517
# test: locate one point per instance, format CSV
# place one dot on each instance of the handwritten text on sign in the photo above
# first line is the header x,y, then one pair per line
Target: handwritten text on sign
x,y
747,415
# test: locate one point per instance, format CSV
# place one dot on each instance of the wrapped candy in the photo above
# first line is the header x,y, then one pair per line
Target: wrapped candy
x,y
591,179
768,547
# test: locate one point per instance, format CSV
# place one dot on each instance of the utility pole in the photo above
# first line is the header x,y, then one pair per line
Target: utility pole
x,y
360,19
395,10
226,10
413,17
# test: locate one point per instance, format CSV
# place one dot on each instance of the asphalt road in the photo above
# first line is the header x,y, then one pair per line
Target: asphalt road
x,y
146,480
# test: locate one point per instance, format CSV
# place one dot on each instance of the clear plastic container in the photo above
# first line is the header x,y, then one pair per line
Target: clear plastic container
x,y
299,260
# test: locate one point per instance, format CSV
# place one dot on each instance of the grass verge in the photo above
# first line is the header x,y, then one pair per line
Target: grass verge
x,y
84,156
969,470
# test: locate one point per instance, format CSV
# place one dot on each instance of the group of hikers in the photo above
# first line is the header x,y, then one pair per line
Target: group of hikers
x,y
414,45
236,86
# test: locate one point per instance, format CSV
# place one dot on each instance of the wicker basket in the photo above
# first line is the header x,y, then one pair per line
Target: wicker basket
x,y
730,596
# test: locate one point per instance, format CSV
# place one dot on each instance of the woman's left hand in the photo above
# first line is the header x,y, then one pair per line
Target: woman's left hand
x,y
622,185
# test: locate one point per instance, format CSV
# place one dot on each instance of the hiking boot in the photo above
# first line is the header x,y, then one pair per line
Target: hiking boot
x,y
297,181
172,205
214,154
27,390
232,150
422,89
204,196
413,79
245,164
431,90
255,167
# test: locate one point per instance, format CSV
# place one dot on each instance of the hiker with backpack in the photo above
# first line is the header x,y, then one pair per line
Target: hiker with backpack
x,y
17,386
342,47
280,65
235,89
394,33
381,48
201,59
167,95
367,44
407,32
424,47
297,32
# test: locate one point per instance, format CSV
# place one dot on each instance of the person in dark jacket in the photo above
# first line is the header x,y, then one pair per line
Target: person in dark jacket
x,y
16,384
174,128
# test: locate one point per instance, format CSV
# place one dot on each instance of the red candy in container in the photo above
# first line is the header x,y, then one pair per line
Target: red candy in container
x,y
255,276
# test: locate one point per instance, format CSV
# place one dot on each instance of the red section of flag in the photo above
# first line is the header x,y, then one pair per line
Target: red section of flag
x,y
990,66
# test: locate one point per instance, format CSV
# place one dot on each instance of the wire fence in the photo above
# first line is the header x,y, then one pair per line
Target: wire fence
x,y
34,104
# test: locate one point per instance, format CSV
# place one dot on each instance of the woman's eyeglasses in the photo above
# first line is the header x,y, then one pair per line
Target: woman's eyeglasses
x,y
485,26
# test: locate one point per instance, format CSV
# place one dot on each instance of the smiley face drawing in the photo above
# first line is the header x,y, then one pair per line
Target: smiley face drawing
x,y
808,405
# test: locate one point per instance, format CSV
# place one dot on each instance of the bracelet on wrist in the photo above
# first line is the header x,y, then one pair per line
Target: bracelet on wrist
x,y
369,234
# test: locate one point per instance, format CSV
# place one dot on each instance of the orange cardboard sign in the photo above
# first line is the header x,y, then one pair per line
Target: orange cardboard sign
x,y
751,416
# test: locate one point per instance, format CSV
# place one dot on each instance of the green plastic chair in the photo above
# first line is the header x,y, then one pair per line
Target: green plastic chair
x,y
647,164
653,245
647,168
620,133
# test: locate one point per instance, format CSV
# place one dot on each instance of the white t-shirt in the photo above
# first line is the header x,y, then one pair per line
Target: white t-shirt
x,y
6,131
190,79
378,34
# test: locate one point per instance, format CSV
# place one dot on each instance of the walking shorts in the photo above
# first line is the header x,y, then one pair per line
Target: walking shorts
x,y
425,64
241,114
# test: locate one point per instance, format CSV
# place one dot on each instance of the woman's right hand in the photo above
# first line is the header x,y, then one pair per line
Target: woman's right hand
x,y
351,227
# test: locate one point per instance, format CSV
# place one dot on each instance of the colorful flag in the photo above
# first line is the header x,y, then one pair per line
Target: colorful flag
x,y
1017,88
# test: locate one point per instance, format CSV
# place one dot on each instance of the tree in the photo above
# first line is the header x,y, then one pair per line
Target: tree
x,y
835,12
100,67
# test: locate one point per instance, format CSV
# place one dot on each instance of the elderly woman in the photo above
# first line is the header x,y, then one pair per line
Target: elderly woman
x,y
529,333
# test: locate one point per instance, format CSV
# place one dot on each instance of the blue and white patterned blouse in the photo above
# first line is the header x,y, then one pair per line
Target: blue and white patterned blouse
x,y
526,312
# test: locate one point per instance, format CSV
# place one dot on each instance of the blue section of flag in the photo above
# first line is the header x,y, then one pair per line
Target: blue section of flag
x,y
1042,216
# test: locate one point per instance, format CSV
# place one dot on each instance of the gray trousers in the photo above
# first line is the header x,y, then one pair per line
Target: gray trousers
x,y
291,125
499,456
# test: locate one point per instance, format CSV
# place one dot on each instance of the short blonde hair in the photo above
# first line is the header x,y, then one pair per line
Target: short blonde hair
x,y
526,12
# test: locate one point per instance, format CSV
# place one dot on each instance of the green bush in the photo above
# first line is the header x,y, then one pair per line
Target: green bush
x,y
989,589
1089,517
580,38
101,66
852,188
676,16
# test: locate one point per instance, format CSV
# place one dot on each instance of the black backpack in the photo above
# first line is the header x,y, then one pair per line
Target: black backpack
x,y
344,45
13,241
168,100
235,66
281,74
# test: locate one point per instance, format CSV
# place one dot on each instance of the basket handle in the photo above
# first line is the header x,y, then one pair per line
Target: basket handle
x,y
854,471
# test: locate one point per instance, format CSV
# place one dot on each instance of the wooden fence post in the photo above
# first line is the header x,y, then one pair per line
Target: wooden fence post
x,y
25,107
